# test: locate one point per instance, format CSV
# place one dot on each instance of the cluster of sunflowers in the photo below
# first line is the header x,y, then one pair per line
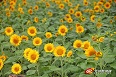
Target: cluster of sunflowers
x,y
56,38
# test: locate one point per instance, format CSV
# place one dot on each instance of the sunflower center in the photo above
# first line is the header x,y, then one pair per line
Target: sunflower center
x,y
48,35
33,56
37,41
78,45
16,69
92,52
8,30
78,14
79,29
49,48
59,51
107,5
62,30
32,31
86,46
15,41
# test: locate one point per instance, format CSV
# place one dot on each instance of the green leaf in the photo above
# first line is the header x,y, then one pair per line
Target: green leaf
x,y
31,65
54,68
30,72
113,65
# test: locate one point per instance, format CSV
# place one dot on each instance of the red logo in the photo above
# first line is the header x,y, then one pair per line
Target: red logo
x,y
89,70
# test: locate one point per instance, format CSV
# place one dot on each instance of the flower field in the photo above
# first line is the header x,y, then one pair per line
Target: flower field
x,y
58,38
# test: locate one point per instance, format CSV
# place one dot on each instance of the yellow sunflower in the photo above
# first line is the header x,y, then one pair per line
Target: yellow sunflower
x,y
92,18
98,54
15,40
69,53
16,68
36,7
1,64
77,44
23,37
61,6
96,8
49,47
85,3
33,56
30,11
36,19
37,41
26,52
9,31
78,14
79,29
69,20
107,5
67,16
71,11
48,35
62,30
86,44
90,51
59,51
32,31
101,39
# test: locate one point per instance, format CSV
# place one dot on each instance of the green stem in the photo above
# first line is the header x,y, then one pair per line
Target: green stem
x,y
38,69
62,68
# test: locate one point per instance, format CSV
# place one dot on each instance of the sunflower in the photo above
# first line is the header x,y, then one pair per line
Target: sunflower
x,y
59,51
36,19
62,30
71,11
26,52
98,24
102,10
32,31
3,57
78,14
86,44
107,5
83,18
48,35
9,31
90,51
33,56
99,3
1,64
49,47
77,44
30,11
79,29
23,37
101,39
92,18
78,24
94,38
37,41
61,6
47,4
15,40
36,7
69,53
69,20
98,54
67,16
16,68
85,3
96,8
